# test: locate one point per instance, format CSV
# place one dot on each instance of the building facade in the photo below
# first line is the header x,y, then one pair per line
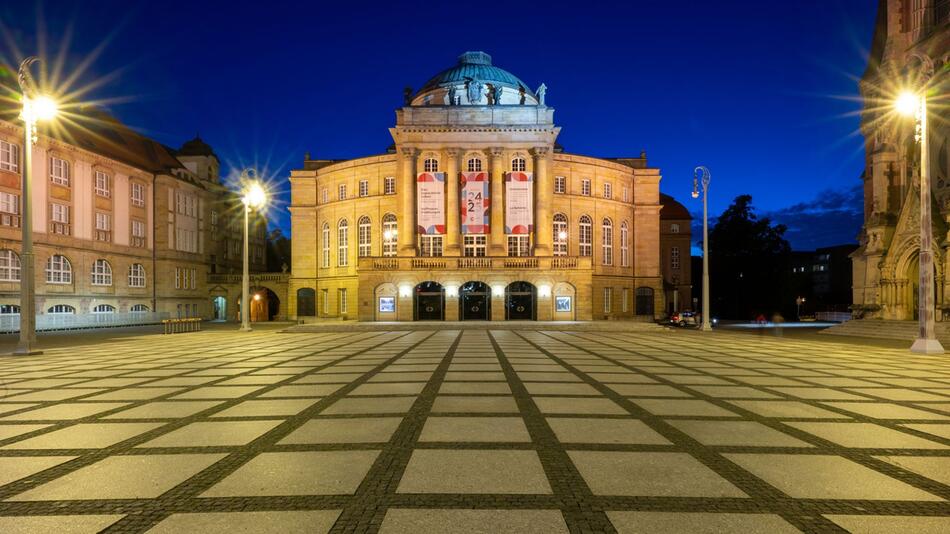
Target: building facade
x,y
476,213
122,224
911,41
675,247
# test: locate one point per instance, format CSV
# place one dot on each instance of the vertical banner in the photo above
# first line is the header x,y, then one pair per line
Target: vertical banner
x,y
475,203
430,203
519,203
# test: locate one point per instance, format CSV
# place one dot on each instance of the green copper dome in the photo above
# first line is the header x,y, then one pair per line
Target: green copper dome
x,y
474,66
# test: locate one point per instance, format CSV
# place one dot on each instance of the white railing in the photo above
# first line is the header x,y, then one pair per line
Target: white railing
x,y
833,317
69,321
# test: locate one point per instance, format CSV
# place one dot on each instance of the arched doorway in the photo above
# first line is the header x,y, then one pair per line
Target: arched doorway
x,y
475,302
306,302
520,302
645,301
220,305
429,302
265,305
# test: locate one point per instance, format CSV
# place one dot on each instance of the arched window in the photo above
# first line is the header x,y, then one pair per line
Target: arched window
x,y
58,270
624,245
101,273
674,228
585,237
474,165
560,234
103,308
431,165
326,245
607,241
136,275
9,309
389,235
342,242
9,266
61,309
364,237
518,164
139,308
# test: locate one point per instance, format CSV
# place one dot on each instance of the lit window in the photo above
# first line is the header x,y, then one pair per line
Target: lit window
x,y
9,266
675,258
430,245
474,246
59,171
103,226
389,235
326,245
9,209
518,164
560,234
585,187
608,190
364,188
518,245
59,213
560,184
342,243
431,165
103,188
584,236
364,236
608,299
101,273
674,228
9,157
389,185
342,192
624,245
136,275
138,194
343,303
474,165
138,233
58,270
607,229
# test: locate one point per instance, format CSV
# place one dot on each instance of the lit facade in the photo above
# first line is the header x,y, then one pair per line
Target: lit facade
x,y
476,213
911,37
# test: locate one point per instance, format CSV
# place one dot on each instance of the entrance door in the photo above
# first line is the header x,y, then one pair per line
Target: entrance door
x,y
220,309
429,302
475,302
519,302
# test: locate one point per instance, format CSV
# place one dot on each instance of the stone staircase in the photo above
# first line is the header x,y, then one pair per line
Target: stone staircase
x,y
564,326
881,329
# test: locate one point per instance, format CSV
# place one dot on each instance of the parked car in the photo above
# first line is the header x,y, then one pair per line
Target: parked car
x,y
685,318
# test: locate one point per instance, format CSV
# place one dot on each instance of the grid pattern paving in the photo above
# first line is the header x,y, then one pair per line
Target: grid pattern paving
x,y
474,431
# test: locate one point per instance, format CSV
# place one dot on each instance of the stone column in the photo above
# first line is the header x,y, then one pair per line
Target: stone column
x,y
452,228
497,241
543,231
406,228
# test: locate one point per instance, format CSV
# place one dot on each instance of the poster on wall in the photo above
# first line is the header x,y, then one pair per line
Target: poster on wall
x,y
475,202
387,304
430,203
519,203
562,304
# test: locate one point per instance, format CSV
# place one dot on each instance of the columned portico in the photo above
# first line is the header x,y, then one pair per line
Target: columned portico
x,y
543,233
497,241
406,236
452,202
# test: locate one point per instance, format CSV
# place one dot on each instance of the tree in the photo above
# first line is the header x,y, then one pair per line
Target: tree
x,y
278,251
748,263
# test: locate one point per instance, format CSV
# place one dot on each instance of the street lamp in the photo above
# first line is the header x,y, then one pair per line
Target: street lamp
x,y
36,107
798,303
915,104
702,174
254,197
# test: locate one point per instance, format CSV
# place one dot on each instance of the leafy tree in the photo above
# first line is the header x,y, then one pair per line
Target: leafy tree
x,y
278,251
749,260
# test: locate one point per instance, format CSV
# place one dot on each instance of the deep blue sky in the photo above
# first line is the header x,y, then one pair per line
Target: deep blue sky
x,y
763,93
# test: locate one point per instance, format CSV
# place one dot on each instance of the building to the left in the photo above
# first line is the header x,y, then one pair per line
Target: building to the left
x,y
121,222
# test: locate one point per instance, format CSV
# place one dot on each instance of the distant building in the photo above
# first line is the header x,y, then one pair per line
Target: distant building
x,y
122,223
675,244
823,277
911,36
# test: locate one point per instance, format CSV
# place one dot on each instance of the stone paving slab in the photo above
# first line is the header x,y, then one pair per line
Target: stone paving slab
x,y
543,428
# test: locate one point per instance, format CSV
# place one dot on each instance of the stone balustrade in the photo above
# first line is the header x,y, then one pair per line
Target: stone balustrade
x,y
484,263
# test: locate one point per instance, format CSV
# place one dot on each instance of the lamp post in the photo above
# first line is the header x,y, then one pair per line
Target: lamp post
x,y
254,197
915,104
798,303
701,174
36,107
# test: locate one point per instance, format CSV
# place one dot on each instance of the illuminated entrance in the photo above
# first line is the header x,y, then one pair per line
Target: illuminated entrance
x,y
520,298
475,302
429,302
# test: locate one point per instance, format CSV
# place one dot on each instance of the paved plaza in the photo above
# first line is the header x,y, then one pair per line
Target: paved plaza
x,y
468,431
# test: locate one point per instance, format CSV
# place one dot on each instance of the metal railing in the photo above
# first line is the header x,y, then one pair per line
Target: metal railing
x,y
482,263
69,321
177,326
259,277
834,317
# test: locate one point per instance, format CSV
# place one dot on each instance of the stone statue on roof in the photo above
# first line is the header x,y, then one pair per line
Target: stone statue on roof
x,y
540,92
521,94
497,95
451,95
474,86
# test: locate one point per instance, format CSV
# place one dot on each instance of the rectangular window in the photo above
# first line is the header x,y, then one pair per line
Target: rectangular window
x,y
137,193
585,187
675,258
103,188
324,196
59,171
103,226
326,246
342,192
343,308
177,277
138,233
560,184
389,185
9,157
474,246
364,188
608,299
59,214
342,246
625,299
326,301
608,190
626,194
518,245
9,209
430,245
194,279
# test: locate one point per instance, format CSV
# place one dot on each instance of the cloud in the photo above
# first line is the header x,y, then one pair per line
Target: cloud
x,y
833,217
